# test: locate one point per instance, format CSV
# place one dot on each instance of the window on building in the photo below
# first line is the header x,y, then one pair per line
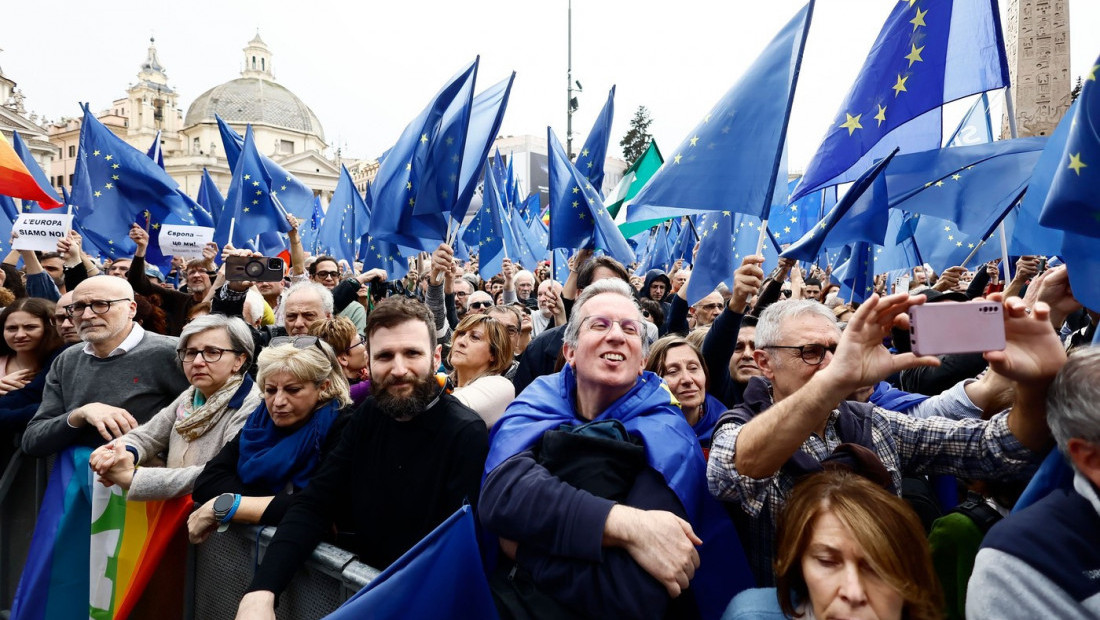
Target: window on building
x,y
70,180
263,67
286,147
72,150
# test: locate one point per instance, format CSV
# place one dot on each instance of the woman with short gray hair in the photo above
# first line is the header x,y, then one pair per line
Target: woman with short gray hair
x,y
215,353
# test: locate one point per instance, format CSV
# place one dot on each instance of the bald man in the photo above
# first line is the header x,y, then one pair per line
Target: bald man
x,y
117,380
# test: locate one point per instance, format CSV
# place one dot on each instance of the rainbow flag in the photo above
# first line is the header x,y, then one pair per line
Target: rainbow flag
x,y
17,181
128,540
58,559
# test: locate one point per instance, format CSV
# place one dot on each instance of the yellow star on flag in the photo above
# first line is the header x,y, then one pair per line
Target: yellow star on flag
x,y
1092,73
1075,163
98,194
919,19
900,86
96,152
109,157
914,56
881,115
677,159
423,137
247,177
694,140
584,153
852,123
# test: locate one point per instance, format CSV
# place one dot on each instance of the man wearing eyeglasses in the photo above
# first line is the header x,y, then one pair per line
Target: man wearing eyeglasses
x,y
799,412
116,381
622,544
326,272
707,309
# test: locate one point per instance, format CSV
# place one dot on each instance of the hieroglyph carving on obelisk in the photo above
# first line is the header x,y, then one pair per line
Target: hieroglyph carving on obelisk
x,y
1037,46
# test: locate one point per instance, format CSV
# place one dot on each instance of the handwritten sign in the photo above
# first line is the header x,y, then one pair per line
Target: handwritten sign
x,y
40,231
184,241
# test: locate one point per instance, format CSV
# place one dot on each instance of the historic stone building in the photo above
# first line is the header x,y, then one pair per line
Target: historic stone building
x,y
1037,46
284,127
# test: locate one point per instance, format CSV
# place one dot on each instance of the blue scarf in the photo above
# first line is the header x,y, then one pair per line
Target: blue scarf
x,y
272,457
672,448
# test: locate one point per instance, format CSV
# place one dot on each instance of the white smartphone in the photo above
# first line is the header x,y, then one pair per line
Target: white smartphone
x,y
948,327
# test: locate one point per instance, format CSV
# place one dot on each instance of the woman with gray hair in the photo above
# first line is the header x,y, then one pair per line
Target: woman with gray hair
x,y
214,352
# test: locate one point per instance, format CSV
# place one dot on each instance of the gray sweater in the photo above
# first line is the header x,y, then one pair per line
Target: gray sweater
x,y
185,458
142,381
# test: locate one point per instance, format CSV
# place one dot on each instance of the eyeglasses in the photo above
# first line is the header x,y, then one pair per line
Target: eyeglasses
x,y
209,354
714,306
98,306
298,342
812,354
600,324
361,342
58,319
325,275
476,305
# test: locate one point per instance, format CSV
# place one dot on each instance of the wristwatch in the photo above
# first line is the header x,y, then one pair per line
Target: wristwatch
x,y
222,505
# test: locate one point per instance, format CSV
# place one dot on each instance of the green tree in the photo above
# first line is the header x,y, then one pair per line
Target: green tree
x,y
637,138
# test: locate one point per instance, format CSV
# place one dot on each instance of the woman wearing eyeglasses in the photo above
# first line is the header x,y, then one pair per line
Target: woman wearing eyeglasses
x,y
215,353
351,353
481,352
254,478
29,345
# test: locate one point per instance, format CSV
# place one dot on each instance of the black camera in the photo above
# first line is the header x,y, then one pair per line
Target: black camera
x,y
254,268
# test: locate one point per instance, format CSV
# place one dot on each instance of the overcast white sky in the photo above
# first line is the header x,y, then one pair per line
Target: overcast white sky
x,y
367,68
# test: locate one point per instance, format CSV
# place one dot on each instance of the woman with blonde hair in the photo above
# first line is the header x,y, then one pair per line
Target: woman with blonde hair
x,y
846,548
254,477
351,353
481,352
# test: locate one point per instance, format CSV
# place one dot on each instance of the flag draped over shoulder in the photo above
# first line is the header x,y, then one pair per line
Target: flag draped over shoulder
x,y
12,179
55,576
1072,201
591,159
577,215
128,540
115,186
440,577
730,160
296,198
928,52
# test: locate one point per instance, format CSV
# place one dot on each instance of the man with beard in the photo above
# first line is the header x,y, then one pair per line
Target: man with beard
x,y
117,380
176,304
410,457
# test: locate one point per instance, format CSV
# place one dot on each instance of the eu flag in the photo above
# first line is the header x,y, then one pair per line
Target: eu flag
x,y
857,275
578,218
295,197
730,160
114,186
975,127
155,152
400,181
861,215
485,118
209,197
591,159
685,242
660,256
346,222
907,76
725,239
487,229
252,204
8,213
788,222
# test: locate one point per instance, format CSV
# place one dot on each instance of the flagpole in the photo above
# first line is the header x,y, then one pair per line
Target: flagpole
x,y
1010,109
232,223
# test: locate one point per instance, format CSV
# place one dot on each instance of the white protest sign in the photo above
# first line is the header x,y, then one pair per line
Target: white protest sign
x,y
184,241
40,231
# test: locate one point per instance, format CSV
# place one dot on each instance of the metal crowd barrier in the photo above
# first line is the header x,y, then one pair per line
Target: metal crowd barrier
x,y
221,568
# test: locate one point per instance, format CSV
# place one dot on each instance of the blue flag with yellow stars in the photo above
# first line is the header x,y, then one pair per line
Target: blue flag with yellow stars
x,y
296,198
971,186
941,244
857,275
406,175
685,241
862,215
24,153
725,239
594,152
209,197
1072,201
788,222
660,256
252,203
578,218
345,223
155,152
908,75
486,115
116,185
730,160
486,230
381,254
976,127
8,213
307,231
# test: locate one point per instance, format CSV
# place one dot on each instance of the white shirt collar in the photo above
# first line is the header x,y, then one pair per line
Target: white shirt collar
x,y
137,332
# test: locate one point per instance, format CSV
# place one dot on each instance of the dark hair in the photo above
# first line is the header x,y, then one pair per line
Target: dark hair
x,y
584,276
320,259
812,282
655,310
14,280
42,310
48,255
149,315
397,309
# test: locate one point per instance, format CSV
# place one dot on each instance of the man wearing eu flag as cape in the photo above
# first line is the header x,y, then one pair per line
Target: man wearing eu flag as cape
x,y
595,486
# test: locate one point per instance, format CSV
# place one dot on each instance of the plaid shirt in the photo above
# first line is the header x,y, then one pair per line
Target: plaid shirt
x,y
907,446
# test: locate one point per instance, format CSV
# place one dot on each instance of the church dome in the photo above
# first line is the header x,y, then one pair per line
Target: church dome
x,y
255,97
254,100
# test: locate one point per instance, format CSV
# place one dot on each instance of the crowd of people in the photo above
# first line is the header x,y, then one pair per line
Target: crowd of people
x,y
768,451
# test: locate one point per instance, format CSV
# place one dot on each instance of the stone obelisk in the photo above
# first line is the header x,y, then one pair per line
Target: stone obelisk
x,y
1037,46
